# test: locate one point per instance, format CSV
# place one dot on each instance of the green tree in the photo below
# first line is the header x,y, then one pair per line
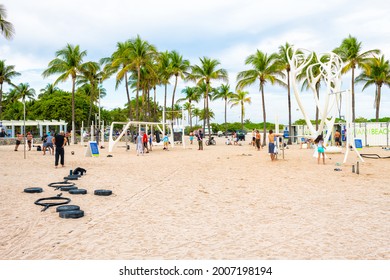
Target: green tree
x,y
7,29
350,53
68,63
205,73
23,92
179,68
265,68
164,73
223,92
239,99
191,94
376,72
7,73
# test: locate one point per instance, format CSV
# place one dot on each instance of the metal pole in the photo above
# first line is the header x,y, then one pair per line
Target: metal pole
x,y
24,126
99,103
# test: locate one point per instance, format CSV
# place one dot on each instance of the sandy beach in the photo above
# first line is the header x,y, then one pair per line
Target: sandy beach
x,y
226,202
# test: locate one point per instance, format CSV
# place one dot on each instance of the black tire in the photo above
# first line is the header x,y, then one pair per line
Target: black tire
x,y
103,192
33,190
67,208
74,214
66,189
78,191
71,177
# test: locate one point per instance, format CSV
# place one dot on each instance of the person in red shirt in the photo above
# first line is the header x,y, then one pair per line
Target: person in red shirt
x,y
145,141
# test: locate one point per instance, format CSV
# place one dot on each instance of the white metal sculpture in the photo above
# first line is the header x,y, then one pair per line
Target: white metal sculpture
x,y
329,72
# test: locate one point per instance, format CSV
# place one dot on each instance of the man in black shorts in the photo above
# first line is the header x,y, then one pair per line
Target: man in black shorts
x,y
59,141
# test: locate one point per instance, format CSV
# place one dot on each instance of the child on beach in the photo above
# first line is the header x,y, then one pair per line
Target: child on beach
x,y
191,137
166,142
320,148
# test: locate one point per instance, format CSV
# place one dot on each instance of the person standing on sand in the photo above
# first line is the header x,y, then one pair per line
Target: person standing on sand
x,y
59,141
320,148
337,138
140,146
191,137
271,143
29,140
254,138
258,140
19,138
145,141
199,136
166,142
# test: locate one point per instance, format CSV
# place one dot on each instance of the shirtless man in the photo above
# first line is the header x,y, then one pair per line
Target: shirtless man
x,y
29,140
271,143
19,138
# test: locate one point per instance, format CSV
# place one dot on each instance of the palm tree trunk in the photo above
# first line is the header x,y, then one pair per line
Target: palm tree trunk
x,y
207,113
289,108
264,115
90,110
225,117
73,112
136,103
128,97
1,100
173,95
353,93
242,115
155,105
378,101
190,115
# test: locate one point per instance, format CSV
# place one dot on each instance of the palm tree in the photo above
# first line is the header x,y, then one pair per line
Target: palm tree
x,y
265,68
196,113
205,73
140,52
179,67
285,52
22,91
192,94
189,107
48,90
350,53
240,98
164,73
118,62
68,64
7,72
223,92
376,72
7,29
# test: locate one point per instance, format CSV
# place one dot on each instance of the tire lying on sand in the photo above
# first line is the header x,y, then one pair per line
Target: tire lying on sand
x,y
33,190
66,189
73,214
103,192
71,177
78,191
58,185
67,208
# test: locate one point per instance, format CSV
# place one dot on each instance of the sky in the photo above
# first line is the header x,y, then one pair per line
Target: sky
x,y
226,30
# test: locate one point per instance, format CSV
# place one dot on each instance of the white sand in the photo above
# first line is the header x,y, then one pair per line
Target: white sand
x,y
226,202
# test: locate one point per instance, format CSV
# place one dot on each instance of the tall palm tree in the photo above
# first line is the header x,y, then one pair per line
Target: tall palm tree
x,y
7,73
205,73
118,63
22,91
164,73
192,94
223,92
350,53
285,52
141,52
68,63
48,90
376,72
239,99
179,68
266,68
7,29
196,113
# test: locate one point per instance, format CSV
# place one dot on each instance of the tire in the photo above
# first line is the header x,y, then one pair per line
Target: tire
x,y
73,214
103,192
33,190
66,189
78,191
67,208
